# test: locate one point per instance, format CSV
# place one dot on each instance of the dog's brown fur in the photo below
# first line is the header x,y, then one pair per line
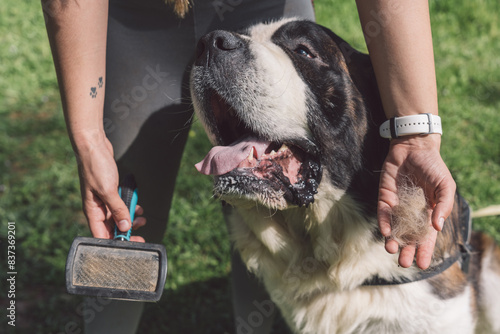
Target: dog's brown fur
x,y
337,232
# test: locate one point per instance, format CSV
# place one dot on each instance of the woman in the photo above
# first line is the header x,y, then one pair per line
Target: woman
x,y
122,69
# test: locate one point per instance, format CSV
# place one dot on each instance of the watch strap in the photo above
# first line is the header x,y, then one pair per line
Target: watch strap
x,y
421,124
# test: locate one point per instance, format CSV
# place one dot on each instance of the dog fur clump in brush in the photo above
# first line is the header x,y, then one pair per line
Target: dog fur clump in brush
x,y
293,112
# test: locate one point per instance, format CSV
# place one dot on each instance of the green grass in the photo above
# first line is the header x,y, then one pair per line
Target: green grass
x,y
39,187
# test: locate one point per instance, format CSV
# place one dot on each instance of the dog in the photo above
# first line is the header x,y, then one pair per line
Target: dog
x,y
293,111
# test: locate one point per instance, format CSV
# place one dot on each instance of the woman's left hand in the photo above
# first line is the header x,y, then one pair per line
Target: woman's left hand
x,y
419,158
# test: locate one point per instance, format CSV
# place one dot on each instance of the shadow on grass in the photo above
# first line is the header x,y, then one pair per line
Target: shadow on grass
x,y
196,308
200,307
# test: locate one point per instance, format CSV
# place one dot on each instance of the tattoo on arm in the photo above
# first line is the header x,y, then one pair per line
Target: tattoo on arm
x,y
93,90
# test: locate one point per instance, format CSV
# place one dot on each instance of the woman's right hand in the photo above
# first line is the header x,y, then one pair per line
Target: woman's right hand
x,y
78,36
99,179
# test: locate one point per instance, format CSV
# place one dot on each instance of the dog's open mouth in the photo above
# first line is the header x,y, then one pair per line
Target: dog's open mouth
x,y
254,167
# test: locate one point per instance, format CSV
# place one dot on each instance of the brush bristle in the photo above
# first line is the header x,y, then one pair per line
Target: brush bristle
x,y
110,268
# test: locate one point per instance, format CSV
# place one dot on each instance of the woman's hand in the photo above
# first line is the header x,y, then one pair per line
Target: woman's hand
x,y
99,179
417,157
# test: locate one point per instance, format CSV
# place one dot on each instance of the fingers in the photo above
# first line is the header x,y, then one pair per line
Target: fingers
x,y
102,204
125,226
118,210
391,246
423,252
384,218
137,239
97,216
387,199
102,220
102,223
426,249
445,198
406,256
423,258
139,222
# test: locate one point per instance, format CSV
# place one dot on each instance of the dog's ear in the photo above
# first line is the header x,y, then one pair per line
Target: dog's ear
x,y
360,70
357,63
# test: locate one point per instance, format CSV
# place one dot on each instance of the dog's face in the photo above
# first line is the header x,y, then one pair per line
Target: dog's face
x,y
281,103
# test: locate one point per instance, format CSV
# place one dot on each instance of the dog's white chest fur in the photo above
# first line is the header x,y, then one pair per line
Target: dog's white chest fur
x,y
313,262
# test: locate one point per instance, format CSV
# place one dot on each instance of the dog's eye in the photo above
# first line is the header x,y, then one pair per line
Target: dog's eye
x,y
303,51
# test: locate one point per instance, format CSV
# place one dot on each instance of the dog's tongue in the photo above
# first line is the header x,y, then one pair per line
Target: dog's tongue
x,y
223,159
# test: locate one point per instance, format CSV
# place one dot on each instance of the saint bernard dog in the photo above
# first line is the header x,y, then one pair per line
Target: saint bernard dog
x,y
294,112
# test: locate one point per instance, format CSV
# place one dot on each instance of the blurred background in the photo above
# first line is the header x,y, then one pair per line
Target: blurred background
x,y
39,188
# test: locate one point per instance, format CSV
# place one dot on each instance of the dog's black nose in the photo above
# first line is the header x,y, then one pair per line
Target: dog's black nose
x,y
214,43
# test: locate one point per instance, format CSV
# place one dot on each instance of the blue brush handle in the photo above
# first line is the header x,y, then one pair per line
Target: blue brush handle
x,y
128,192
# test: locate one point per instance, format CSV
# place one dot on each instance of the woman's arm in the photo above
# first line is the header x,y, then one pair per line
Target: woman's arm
x,y
77,33
399,39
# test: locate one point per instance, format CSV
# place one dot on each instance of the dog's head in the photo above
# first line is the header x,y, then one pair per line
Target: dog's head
x,y
283,104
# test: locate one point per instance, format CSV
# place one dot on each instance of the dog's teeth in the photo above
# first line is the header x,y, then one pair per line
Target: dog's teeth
x,y
273,153
283,148
252,155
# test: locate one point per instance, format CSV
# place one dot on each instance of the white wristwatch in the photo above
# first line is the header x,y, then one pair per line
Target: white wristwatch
x,y
421,124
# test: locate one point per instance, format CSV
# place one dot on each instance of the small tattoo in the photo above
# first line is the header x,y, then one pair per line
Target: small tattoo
x,y
100,82
93,92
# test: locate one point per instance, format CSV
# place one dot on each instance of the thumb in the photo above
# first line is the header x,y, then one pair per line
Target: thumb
x,y
445,199
118,210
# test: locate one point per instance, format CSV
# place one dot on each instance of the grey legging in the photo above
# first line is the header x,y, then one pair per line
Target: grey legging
x,y
147,115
